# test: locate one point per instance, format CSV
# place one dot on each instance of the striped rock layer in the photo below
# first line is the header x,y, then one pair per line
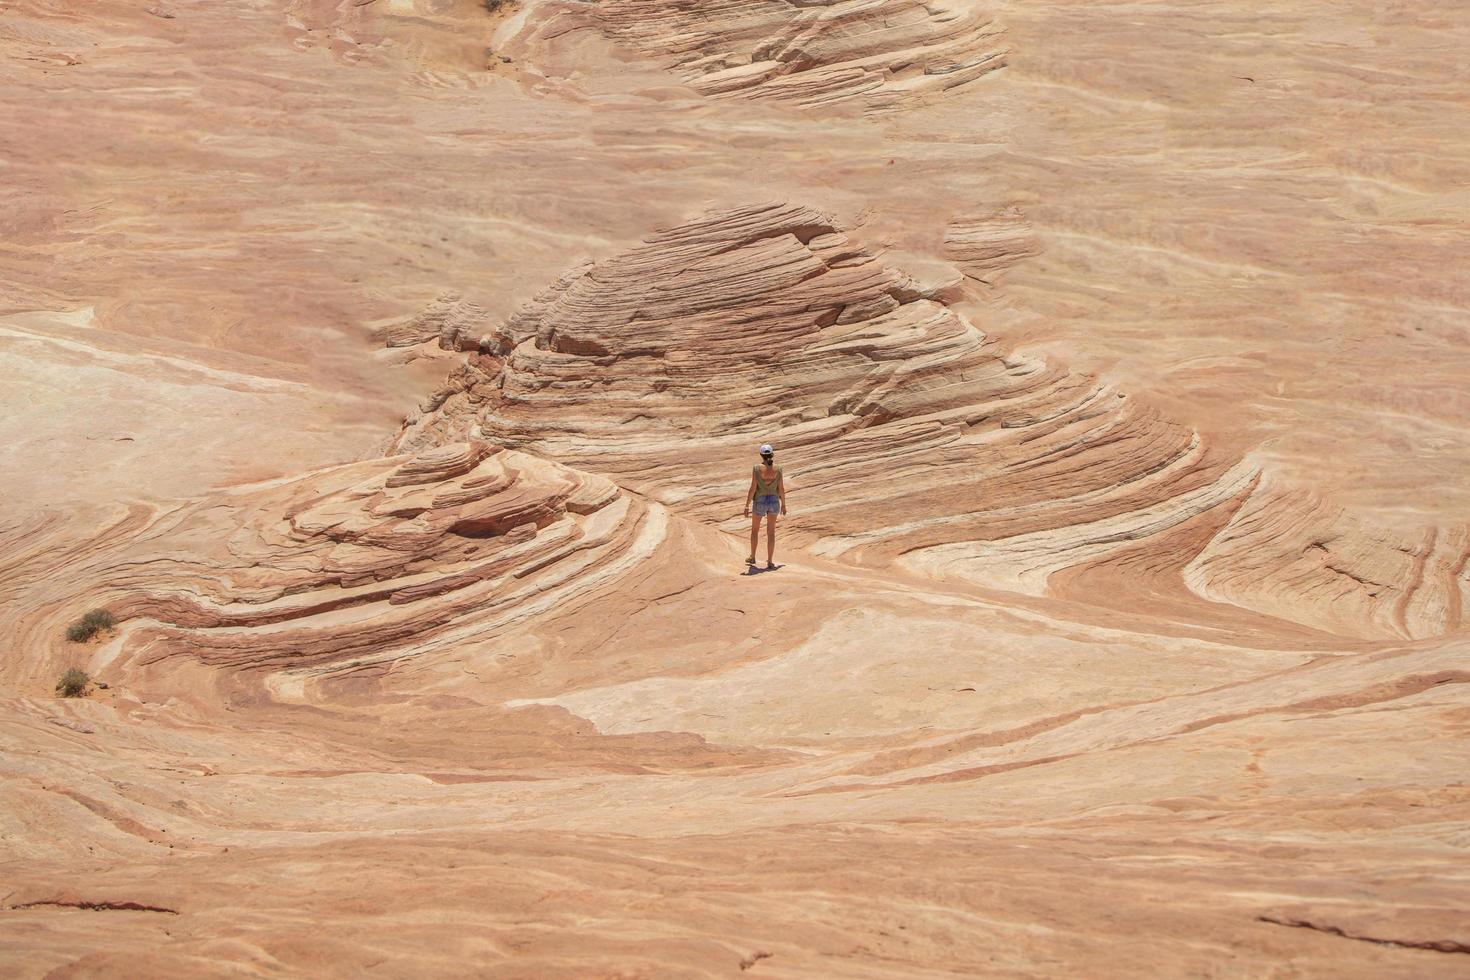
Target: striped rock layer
x,y
350,568
876,54
911,439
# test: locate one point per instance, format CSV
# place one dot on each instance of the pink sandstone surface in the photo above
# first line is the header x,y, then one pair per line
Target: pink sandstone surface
x,y
390,370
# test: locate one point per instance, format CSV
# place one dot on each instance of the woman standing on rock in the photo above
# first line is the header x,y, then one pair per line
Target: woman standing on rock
x,y
768,490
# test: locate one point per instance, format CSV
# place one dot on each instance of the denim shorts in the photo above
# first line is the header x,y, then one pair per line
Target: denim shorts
x,y
767,504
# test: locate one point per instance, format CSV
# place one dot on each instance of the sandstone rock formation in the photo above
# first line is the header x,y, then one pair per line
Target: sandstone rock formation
x,y
363,559
985,245
1120,623
445,320
878,54
922,443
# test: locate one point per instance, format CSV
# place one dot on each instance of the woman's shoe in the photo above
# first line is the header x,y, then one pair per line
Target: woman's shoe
x,y
770,566
750,560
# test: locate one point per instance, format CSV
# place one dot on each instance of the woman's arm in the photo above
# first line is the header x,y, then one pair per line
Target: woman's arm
x,y
781,491
749,495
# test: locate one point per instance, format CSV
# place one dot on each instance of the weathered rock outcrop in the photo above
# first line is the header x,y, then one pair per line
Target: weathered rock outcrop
x,y
985,245
1047,681
876,54
446,320
913,439
367,563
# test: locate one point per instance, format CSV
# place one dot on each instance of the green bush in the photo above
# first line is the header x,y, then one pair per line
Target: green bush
x,y
90,625
73,683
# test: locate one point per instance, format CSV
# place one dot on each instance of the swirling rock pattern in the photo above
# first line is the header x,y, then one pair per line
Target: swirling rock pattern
x,y
376,561
1049,682
918,441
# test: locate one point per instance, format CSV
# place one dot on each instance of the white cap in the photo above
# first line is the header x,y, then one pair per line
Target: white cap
x,y
766,449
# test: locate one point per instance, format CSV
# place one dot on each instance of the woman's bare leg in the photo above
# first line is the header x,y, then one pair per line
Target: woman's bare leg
x,y
755,531
770,540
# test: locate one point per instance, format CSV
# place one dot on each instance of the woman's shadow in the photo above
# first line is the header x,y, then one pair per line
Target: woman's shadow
x,y
758,569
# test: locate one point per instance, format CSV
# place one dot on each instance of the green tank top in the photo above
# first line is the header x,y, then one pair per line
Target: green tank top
x,y
764,487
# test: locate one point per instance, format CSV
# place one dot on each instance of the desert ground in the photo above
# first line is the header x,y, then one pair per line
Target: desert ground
x,y
390,371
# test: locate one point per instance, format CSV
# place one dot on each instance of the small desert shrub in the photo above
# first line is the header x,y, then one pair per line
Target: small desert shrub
x,y
90,625
72,683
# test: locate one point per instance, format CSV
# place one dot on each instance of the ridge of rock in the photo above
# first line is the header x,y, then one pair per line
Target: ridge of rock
x,y
920,442
879,55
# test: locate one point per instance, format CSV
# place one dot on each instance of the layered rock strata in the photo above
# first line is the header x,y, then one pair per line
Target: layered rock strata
x,y
446,320
879,55
364,564
986,244
914,439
